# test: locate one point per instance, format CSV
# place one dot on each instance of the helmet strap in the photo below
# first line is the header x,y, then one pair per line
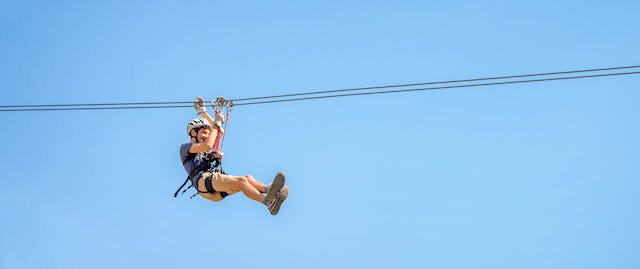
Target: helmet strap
x,y
196,136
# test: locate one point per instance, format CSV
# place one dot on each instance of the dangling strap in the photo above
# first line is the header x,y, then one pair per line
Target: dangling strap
x,y
181,186
202,167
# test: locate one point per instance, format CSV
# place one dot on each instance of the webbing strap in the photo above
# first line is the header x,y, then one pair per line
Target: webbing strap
x,y
202,167
181,186
209,185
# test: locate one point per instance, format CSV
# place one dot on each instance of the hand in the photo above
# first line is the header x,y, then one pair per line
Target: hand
x,y
199,106
219,119
219,155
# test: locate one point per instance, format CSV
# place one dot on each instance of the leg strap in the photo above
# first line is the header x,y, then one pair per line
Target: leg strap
x,y
210,189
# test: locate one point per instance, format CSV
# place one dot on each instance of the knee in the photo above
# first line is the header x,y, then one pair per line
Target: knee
x,y
238,183
249,177
242,180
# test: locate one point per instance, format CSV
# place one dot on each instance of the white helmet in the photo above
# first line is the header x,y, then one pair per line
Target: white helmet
x,y
196,124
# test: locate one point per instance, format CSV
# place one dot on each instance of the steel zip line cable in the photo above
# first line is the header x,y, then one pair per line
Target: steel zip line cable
x,y
438,88
99,104
322,92
439,82
92,108
149,105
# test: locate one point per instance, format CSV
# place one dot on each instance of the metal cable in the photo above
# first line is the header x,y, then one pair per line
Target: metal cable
x,y
437,88
158,105
439,82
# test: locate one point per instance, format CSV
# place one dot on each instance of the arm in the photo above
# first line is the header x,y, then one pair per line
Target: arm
x,y
202,111
206,145
210,142
217,132
207,117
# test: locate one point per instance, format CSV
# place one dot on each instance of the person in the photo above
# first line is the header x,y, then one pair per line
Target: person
x,y
200,152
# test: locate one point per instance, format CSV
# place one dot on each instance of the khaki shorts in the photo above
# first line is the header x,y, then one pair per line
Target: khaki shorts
x,y
219,182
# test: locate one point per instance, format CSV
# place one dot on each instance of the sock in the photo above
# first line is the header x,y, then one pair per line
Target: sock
x,y
266,202
266,188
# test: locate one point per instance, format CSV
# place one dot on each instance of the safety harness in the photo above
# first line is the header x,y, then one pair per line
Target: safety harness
x,y
213,161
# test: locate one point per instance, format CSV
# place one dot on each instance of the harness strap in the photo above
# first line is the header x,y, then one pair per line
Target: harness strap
x,y
202,167
181,186
210,189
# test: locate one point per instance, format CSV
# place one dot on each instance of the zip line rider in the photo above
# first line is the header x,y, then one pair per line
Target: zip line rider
x,y
201,152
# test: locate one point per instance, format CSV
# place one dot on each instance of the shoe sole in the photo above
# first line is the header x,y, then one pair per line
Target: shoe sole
x,y
276,185
279,201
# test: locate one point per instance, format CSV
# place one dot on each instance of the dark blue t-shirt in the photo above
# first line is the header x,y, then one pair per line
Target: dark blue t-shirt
x,y
191,160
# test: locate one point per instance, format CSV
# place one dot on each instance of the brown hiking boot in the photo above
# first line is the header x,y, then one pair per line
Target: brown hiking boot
x,y
274,206
275,186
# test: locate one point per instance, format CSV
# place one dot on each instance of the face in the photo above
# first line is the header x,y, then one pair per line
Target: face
x,y
203,134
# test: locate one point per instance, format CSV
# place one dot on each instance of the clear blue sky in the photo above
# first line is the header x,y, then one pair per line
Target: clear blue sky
x,y
521,176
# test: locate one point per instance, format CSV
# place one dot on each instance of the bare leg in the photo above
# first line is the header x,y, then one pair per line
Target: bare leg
x,y
242,184
256,184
